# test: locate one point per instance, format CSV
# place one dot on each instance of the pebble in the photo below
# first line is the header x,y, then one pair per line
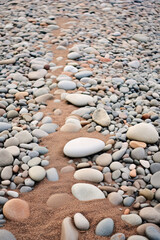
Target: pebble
x,y
6,235
155,179
4,126
83,146
49,127
52,174
68,231
150,214
104,159
115,198
137,237
132,219
24,137
89,174
118,236
37,173
152,233
105,227
79,100
81,222
101,117
79,191
6,158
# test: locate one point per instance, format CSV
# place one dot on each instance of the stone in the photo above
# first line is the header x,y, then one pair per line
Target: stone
x,y
44,98
81,222
101,117
67,85
140,37
79,100
118,154
86,192
3,200
143,132
8,61
115,198
6,173
6,158
104,159
152,233
156,157
52,174
138,153
83,74
148,194
132,219
4,126
142,228
58,200
83,146
68,231
73,55
118,236
70,127
34,162
13,141
14,150
137,237
37,74
157,195
136,144
89,174
6,235
24,137
16,210
150,215
39,133
128,201
155,167
37,173
155,179
105,227
49,127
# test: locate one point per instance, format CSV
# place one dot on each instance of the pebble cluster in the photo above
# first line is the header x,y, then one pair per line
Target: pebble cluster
x,y
111,76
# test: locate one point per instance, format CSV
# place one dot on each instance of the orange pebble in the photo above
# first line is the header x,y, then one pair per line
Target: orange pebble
x,y
126,211
133,173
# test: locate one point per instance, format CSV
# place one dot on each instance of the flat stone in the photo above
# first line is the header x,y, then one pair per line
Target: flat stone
x,y
155,179
82,74
137,237
34,162
52,174
24,137
81,222
89,174
150,215
105,227
86,192
115,198
13,141
155,167
132,219
38,133
104,159
4,126
37,173
143,132
101,117
128,201
49,127
16,210
79,100
58,200
6,158
68,231
6,235
83,146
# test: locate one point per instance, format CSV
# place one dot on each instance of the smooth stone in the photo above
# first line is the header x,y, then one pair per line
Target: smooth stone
x,y
13,141
101,117
13,194
6,173
70,68
24,137
137,237
150,215
118,236
79,100
49,127
157,195
58,200
44,98
16,210
152,233
128,201
86,192
83,146
105,227
82,74
3,200
8,61
138,153
155,167
155,179
68,231
144,132
6,158
52,174
148,194
37,173
47,120
142,228
74,55
104,159
37,74
134,64
6,235
4,126
40,150
70,127
140,37
135,144
89,174
115,166
119,154
34,162
115,198
38,116
67,85
156,157
14,150
132,219
39,133
81,222
67,169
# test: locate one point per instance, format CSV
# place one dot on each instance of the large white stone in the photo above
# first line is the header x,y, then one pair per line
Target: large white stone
x,y
83,146
143,132
86,192
89,174
79,100
101,117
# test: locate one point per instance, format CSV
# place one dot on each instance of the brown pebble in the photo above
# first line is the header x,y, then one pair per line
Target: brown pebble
x,y
136,144
18,180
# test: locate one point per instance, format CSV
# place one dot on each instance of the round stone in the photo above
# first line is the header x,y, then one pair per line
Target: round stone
x,y
128,201
81,222
155,180
6,173
150,214
58,200
6,235
6,158
83,146
105,227
34,162
104,159
138,153
132,219
86,192
67,85
89,174
16,210
37,173
115,198
143,132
